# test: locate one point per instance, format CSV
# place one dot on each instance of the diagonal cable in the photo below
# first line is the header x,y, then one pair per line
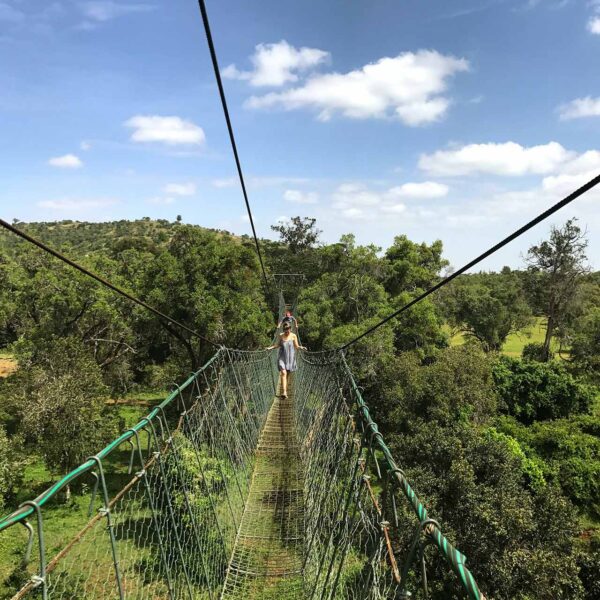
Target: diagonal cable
x,y
101,280
556,207
215,63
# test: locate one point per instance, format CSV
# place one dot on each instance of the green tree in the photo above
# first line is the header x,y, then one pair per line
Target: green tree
x,y
585,344
298,234
487,307
209,282
12,466
412,266
557,267
533,391
62,399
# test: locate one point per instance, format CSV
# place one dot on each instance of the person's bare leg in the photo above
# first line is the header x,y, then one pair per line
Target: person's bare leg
x,y
284,383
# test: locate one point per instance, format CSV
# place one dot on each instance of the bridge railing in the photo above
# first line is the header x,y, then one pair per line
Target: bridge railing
x,y
359,501
163,501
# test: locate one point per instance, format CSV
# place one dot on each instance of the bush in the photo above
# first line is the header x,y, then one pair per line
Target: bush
x,y
12,465
533,391
568,452
534,352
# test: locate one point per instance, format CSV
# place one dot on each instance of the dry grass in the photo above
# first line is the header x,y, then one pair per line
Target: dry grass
x,y
7,366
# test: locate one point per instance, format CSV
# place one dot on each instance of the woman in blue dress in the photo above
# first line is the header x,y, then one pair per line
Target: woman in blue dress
x,y
286,358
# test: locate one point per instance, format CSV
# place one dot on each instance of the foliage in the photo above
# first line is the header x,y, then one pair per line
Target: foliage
x,y
585,345
533,391
487,307
535,352
455,386
519,541
556,267
298,234
12,465
412,266
568,453
62,402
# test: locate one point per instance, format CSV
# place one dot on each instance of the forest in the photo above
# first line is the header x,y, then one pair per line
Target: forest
x,y
487,392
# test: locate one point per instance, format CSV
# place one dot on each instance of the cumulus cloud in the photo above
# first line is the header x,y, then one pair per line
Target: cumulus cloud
x,y
68,161
277,64
106,10
77,204
259,182
168,130
180,189
499,206
358,201
509,159
161,200
226,182
298,197
424,190
10,14
594,25
409,87
581,107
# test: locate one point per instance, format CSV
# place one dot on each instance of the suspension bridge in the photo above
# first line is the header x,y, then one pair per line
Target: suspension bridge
x,y
231,491
227,490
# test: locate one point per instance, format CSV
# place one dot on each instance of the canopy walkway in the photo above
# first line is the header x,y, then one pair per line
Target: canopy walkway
x,y
227,491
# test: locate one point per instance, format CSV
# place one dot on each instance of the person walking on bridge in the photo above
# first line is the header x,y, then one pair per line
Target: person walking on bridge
x,y
289,318
286,358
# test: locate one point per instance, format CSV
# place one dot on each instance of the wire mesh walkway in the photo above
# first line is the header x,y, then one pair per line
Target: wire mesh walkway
x,y
267,557
223,492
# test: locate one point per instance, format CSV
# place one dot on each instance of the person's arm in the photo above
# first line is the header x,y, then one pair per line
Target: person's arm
x,y
297,345
276,345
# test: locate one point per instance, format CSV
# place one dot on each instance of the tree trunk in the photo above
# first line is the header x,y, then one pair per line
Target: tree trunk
x,y
549,334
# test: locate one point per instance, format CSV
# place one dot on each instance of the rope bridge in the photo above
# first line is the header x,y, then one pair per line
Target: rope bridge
x,y
226,491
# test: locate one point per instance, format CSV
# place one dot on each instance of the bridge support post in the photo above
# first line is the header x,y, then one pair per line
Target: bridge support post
x,y
109,525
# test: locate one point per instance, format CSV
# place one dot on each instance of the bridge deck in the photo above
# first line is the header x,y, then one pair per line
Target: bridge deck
x,y
266,562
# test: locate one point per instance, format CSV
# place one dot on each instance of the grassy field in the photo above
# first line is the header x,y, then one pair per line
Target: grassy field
x,y
515,342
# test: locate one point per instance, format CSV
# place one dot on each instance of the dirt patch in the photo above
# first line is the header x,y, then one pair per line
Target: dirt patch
x,y
7,366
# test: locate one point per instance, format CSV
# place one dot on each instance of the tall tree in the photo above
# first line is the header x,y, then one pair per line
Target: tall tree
x,y
487,307
557,266
299,233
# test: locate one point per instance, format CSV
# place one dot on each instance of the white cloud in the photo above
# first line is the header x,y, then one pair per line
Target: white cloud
x,y
510,159
427,189
85,146
524,203
224,183
68,161
277,64
298,197
594,25
581,107
180,189
77,204
168,130
408,87
393,208
10,14
357,201
259,182
105,10
161,200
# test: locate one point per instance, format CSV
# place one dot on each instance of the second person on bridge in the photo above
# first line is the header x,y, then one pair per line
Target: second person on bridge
x,y
286,358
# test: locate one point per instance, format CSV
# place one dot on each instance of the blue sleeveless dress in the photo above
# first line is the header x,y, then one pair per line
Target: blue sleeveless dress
x,y
286,359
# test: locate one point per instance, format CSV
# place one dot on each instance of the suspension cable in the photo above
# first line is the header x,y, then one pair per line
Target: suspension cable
x,y
556,207
215,64
101,280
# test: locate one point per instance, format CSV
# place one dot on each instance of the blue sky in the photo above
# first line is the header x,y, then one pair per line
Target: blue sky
x,y
455,120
